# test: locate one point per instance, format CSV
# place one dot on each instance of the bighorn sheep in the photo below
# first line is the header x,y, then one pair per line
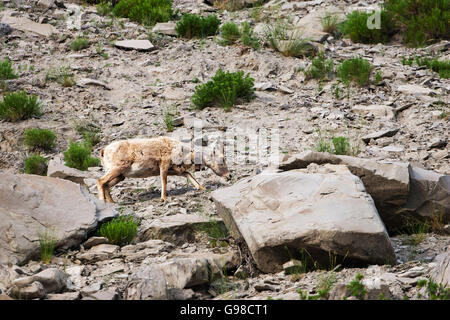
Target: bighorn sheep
x,y
141,158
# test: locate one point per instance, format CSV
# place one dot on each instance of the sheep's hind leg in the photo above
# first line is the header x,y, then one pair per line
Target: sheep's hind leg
x,y
103,184
191,178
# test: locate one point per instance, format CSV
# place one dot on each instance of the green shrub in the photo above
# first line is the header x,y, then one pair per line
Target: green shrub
x,y
216,232
147,12
341,146
39,138
230,33
119,231
6,70
356,27
320,68
36,164
335,145
421,21
195,26
168,117
224,89
79,44
19,106
78,156
356,70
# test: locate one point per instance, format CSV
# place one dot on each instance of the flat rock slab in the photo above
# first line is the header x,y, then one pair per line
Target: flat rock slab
x,y
377,110
324,210
86,81
414,89
31,205
167,28
143,45
379,134
26,25
57,169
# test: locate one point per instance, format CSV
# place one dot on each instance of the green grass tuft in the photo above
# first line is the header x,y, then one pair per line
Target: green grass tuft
x,y
79,44
39,138
355,70
6,70
320,68
120,231
356,288
47,242
19,106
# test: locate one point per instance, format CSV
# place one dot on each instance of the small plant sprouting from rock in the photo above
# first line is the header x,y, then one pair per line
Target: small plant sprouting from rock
x,y
47,242
435,291
120,231
90,131
168,117
39,138
330,23
335,145
224,90
442,67
326,283
62,75
356,288
36,164
231,33
19,106
78,156
289,42
195,26
6,70
79,44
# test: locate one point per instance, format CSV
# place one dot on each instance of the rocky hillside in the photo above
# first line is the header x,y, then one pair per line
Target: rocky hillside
x,y
304,225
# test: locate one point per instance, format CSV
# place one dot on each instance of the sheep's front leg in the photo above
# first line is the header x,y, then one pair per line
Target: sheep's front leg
x,y
103,184
191,178
163,171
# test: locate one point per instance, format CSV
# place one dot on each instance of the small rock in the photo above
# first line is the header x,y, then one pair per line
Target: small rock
x,y
379,134
94,241
292,266
167,28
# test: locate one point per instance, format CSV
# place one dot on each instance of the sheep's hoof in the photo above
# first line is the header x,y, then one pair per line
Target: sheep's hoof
x,y
164,199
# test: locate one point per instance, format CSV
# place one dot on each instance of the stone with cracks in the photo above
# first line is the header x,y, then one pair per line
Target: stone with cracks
x,y
400,190
53,280
323,210
57,169
441,273
147,283
31,205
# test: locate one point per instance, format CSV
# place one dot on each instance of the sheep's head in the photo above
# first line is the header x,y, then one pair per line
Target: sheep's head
x,y
214,158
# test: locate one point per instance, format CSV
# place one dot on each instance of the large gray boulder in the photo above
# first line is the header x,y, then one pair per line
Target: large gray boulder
x,y
324,210
31,205
401,191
